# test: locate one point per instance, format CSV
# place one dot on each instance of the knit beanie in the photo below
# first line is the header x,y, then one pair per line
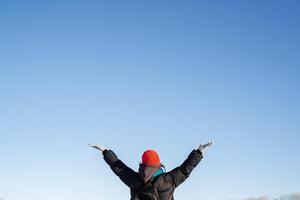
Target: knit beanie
x,y
151,157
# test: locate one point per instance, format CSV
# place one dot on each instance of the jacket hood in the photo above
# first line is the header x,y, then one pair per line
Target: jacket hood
x,y
146,172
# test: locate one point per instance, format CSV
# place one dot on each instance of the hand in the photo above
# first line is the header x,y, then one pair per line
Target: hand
x,y
98,147
203,147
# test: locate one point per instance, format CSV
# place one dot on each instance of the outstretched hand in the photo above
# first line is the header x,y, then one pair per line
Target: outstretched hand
x,y
203,147
98,147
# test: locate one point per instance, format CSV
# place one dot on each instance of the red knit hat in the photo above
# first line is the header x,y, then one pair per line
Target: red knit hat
x,y
151,157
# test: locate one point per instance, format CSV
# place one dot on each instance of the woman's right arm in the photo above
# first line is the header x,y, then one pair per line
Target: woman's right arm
x,y
181,173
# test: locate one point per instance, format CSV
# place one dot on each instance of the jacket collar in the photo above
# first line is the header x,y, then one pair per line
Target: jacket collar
x,y
146,172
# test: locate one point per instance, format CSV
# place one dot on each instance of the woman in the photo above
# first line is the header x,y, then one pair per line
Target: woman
x,y
151,182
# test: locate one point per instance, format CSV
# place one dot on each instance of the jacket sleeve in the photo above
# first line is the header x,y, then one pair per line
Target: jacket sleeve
x,y
126,174
181,173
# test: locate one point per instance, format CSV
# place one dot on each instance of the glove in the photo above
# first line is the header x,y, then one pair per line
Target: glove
x,y
203,147
98,147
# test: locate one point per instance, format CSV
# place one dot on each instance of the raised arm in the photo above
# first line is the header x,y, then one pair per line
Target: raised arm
x,y
181,173
126,174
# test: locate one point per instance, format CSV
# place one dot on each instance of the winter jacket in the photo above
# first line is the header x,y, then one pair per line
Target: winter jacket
x,y
164,183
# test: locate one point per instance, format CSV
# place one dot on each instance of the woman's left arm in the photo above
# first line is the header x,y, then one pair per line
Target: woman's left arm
x,y
125,173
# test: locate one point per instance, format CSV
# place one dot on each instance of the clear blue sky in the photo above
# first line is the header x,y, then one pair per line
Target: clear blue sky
x,y
133,75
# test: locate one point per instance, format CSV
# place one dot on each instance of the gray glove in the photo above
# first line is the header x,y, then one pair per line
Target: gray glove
x,y
98,147
203,147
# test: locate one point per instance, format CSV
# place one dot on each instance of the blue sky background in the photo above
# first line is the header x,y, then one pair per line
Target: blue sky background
x,y
133,75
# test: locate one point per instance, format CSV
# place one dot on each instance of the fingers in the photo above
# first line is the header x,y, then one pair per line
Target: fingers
x,y
203,147
206,145
93,145
98,147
